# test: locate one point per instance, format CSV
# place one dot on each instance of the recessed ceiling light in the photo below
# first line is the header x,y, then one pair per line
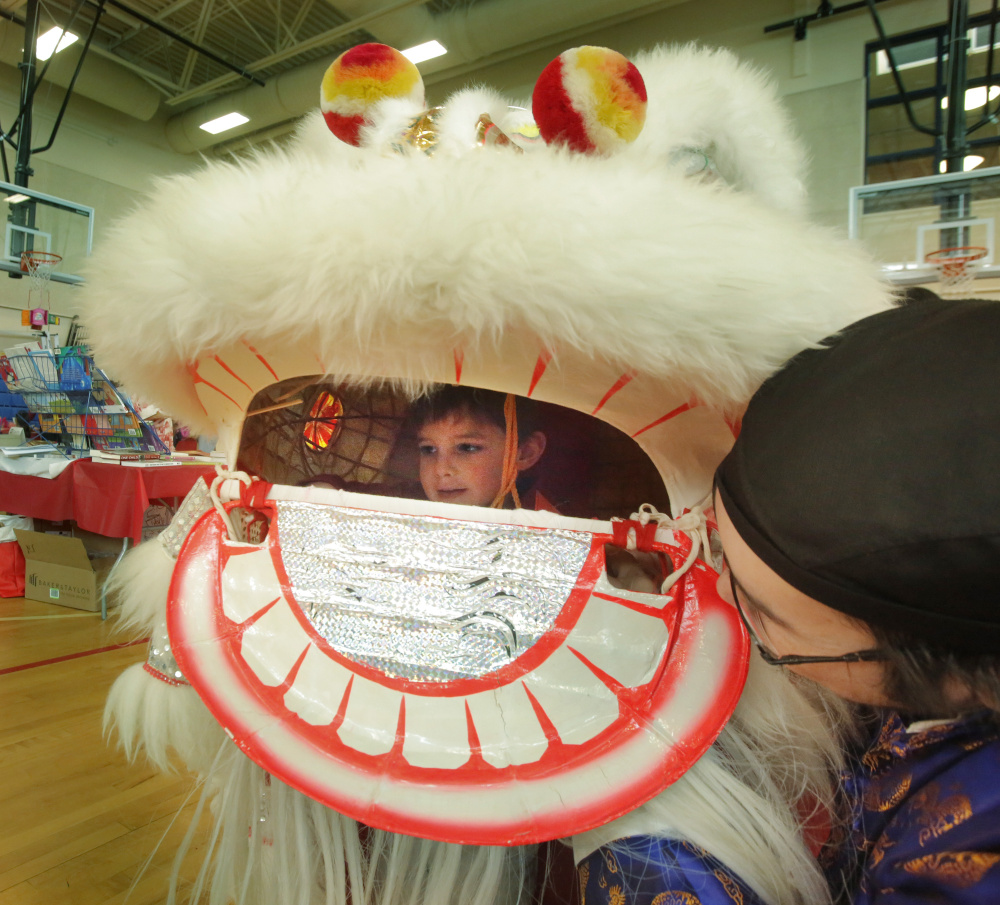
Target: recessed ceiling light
x,y
16,199
969,163
426,51
54,40
975,97
222,123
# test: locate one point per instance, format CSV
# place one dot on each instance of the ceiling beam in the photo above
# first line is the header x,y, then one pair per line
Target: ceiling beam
x,y
204,17
235,7
239,71
161,16
320,40
293,27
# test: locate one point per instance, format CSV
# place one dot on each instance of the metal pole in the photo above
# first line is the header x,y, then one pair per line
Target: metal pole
x,y
23,214
955,205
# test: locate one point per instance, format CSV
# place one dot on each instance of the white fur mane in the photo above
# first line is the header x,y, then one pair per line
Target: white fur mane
x,y
339,250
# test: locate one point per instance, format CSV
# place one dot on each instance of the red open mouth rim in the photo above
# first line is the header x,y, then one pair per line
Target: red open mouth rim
x,y
662,726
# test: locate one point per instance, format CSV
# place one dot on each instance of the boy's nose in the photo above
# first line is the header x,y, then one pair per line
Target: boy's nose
x,y
445,464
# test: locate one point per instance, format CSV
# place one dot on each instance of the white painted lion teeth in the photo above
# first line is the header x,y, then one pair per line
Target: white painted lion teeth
x,y
319,688
488,757
612,645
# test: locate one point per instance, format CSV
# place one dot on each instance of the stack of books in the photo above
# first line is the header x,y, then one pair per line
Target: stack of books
x,y
138,458
134,457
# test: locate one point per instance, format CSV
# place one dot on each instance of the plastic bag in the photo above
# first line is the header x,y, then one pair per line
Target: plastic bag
x,y
9,522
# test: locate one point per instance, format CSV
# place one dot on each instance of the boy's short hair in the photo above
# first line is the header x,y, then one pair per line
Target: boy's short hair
x,y
486,404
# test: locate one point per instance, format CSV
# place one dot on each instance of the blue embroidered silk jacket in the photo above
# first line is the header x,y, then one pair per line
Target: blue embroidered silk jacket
x,y
648,870
926,817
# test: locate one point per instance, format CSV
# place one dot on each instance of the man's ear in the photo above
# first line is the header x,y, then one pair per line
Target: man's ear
x,y
530,450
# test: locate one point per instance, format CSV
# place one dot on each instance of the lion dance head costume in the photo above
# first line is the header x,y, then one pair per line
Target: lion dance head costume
x,y
392,700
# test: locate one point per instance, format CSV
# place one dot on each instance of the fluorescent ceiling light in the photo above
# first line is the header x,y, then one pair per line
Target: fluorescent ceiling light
x,y
975,97
970,163
54,40
426,51
16,199
229,121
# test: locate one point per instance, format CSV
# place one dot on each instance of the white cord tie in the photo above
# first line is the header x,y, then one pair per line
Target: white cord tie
x,y
692,523
223,474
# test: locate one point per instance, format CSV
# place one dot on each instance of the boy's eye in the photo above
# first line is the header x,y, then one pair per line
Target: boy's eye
x,y
427,449
469,447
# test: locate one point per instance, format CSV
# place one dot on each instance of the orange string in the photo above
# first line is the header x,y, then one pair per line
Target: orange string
x,y
508,480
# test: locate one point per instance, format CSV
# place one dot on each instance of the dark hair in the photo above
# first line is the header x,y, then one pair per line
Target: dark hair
x,y
487,404
918,676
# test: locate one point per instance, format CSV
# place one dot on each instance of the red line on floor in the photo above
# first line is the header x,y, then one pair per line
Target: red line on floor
x,y
83,653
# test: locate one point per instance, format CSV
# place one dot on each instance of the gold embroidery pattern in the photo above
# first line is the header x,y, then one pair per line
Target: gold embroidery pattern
x,y
694,849
610,862
729,885
675,897
878,851
885,747
616,896
583,871
928,737
961,869
976,743
878,798
938,816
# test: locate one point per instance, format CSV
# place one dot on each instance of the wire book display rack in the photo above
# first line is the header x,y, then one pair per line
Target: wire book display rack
x,y
76,402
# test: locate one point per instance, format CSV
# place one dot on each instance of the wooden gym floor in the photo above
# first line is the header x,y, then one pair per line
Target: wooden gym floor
x,y
77,821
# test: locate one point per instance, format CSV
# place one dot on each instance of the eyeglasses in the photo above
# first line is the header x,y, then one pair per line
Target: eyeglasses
x,y
755,628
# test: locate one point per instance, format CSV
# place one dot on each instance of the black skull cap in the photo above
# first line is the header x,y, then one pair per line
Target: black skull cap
x,y
867,472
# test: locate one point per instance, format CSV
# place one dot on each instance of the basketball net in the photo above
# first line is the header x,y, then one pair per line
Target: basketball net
x,y
39,265
956,269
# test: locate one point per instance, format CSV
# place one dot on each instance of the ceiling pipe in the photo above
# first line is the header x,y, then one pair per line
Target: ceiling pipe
x,y
321,40
288,95
470,34
100,80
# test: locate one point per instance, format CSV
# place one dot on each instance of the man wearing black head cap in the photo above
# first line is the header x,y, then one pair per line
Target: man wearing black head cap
x,y
860,517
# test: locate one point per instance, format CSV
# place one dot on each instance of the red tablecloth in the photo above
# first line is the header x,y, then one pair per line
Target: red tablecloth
x,y
106,499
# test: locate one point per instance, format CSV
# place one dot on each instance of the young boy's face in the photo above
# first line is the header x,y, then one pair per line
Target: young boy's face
x,y
461,459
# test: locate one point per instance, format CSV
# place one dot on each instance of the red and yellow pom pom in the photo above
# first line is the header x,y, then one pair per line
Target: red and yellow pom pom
x,y
590,98
361,77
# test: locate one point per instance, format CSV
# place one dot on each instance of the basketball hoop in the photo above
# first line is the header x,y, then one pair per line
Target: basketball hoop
x,y
38,265
956,268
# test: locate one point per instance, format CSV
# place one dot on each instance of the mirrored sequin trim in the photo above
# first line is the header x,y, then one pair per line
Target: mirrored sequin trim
x,y
195,505
160,658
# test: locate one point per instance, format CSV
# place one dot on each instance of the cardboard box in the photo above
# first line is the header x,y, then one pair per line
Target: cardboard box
x,y
58,570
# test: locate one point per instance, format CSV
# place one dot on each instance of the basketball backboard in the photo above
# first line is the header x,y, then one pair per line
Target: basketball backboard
x,y
903,222
39,222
